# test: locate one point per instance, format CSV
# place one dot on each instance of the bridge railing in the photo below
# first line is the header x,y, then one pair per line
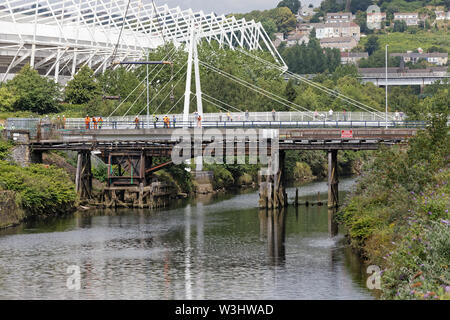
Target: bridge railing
x,y
263,116
129,125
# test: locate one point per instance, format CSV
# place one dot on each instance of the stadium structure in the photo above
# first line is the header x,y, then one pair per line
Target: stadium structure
x,y
58,37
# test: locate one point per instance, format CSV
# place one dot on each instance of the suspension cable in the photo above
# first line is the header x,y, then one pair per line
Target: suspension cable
x,y
121,30
228,105
157,93
165,97
318,86
129,95
255,88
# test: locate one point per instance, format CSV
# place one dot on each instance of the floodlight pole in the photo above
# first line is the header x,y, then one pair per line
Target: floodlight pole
x,y
148,101
386,86
147,63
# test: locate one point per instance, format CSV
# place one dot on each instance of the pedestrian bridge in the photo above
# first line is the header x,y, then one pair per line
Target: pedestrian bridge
x,y
129,152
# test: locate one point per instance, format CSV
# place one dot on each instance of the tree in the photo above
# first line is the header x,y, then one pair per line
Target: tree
x,y
400,26
361,20
294,5
33,92
332,6
285,20
345,70
290,91
7,99
83,87
371,45
360,5
378,60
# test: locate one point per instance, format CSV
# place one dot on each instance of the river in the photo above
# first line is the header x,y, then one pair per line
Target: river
x,y
218,247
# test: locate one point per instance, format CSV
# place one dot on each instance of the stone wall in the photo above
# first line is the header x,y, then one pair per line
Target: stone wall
x,y
20,154
10,213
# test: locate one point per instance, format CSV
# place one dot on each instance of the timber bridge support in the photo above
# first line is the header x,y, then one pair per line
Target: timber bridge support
x,y
129,155
129,181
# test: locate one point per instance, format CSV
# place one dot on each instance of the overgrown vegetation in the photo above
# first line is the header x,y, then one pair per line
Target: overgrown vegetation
x,y
42,191
398,215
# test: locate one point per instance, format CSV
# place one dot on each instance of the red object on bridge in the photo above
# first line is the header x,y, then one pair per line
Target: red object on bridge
x,y
346,133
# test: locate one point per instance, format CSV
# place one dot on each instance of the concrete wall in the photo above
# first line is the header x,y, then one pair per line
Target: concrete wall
x,y
10,213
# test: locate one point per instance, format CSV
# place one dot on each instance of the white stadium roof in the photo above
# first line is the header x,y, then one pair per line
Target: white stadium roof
x,y
57,37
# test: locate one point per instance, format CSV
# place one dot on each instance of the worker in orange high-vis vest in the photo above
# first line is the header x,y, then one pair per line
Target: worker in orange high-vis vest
x,y
87,121
136,123
94,121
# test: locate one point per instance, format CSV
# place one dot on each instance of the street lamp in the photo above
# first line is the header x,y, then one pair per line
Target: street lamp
x,y
148,89
386,86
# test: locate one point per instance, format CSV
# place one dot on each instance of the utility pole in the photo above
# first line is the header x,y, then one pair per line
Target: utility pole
x,y
386,86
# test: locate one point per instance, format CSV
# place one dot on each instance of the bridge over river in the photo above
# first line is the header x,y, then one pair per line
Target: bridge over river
x,y
131,153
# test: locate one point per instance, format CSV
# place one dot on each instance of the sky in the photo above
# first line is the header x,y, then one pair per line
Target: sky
x,y
227,6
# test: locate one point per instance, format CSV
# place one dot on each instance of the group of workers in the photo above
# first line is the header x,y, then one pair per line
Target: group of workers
x,y
97,123
60,122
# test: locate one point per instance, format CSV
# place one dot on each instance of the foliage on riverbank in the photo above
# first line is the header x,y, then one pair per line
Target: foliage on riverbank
x,y
41,190
398,215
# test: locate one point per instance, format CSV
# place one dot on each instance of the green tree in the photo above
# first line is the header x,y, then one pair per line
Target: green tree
x,y
372,44
378,60
83,87
7,99
361,20
332,6
290,91
400,26
33,92
294,5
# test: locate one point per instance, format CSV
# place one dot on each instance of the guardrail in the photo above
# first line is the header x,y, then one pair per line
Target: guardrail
x,y
268,116
129,125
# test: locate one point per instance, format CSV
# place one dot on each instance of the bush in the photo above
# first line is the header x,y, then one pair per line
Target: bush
x,y
5,148
398,215
42,190
222,178
302,171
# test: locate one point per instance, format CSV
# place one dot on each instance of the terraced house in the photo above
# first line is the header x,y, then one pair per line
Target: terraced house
x,y
411,18
437,58
337,30
339,17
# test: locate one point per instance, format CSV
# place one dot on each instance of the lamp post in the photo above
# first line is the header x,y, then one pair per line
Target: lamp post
x,y
386,86
147,63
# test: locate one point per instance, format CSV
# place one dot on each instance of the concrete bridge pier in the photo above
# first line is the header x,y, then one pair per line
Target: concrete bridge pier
x,y
272,192
83,177
333,196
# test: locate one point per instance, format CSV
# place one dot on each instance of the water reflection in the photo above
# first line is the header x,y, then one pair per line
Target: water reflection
x,y
220,247
332,224
273,229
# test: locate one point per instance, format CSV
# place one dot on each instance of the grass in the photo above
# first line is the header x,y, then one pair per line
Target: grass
x,y
404,41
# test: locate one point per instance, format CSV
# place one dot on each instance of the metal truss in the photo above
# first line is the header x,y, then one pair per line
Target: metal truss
x,y
58,37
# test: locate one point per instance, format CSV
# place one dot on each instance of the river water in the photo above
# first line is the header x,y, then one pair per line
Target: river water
x,y
218,247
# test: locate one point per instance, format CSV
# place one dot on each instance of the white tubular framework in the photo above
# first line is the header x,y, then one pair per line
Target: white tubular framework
x,y
58,37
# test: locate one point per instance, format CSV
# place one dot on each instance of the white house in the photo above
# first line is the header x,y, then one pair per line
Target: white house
x,y
374,19
339,17
411,18
337,30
